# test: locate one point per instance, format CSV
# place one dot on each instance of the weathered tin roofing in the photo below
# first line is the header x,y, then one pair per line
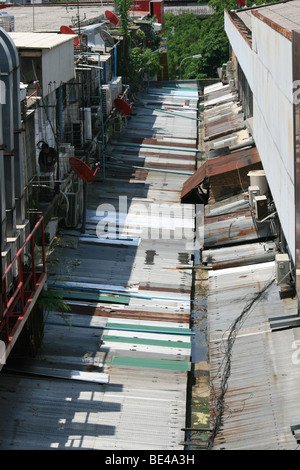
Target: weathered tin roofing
x,y
224,126
262,395
218,94
236,228
239,255
130,301
220,165
253,369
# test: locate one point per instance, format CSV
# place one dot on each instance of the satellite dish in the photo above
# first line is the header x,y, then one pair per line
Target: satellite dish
x,y
82,170
122,106
67,30
106,37
111,17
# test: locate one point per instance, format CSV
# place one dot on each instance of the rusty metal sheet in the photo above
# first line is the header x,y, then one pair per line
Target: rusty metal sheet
x,y
231,229
240,255
162,141
96,311
221,165
210,95
259,404
224,126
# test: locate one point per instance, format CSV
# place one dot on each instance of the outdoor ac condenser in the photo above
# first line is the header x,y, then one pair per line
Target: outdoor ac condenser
x,y
260,207
72,218
253,191
282,268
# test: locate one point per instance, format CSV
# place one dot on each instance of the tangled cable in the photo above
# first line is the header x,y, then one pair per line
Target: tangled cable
x,y
220,400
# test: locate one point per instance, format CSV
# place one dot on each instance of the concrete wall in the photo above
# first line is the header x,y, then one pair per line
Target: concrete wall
x,y
268,68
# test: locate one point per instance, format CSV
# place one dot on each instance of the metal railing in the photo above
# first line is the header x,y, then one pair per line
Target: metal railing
x,y
18,290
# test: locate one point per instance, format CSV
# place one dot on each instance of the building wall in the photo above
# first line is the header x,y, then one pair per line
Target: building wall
x,y
241,49
53,73
273,119
268,69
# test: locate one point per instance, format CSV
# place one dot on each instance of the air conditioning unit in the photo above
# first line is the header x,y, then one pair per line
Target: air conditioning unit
x,y
106,100
282,268
86,116
119,83
73,215
260,207
114,88
258,178
253,191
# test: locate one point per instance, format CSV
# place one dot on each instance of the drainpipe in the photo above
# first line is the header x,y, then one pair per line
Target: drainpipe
x,y
115,61
61,131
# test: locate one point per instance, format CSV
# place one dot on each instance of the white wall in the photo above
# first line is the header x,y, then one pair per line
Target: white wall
x,y
268,68
241,49
57,66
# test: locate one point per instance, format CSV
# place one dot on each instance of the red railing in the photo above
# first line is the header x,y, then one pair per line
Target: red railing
x,y
21,285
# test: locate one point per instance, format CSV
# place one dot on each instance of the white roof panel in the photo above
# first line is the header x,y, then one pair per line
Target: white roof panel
x,y
39,40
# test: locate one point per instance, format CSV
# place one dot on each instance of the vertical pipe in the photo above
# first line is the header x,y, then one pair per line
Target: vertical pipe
x,y
105,73
102,123
43,244
61,130
33,263
115,61
21,283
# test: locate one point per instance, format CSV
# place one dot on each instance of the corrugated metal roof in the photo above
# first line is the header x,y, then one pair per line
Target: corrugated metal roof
x,y
223,126
239,255
130,315
220,165
262,395
237,228
218,94
253,376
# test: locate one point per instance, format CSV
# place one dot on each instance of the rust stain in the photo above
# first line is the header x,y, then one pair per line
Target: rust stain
x,y
129,314
280,29
231,162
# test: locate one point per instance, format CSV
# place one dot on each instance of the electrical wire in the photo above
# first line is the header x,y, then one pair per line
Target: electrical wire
x,y
220,400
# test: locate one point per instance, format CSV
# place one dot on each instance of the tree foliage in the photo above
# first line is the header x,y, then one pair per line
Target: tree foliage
x,y
123,7
188,35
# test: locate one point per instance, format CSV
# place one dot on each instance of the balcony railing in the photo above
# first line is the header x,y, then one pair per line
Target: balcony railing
x,y
22,282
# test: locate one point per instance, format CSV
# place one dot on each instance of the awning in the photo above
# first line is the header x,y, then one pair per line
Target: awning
x,y
217,166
